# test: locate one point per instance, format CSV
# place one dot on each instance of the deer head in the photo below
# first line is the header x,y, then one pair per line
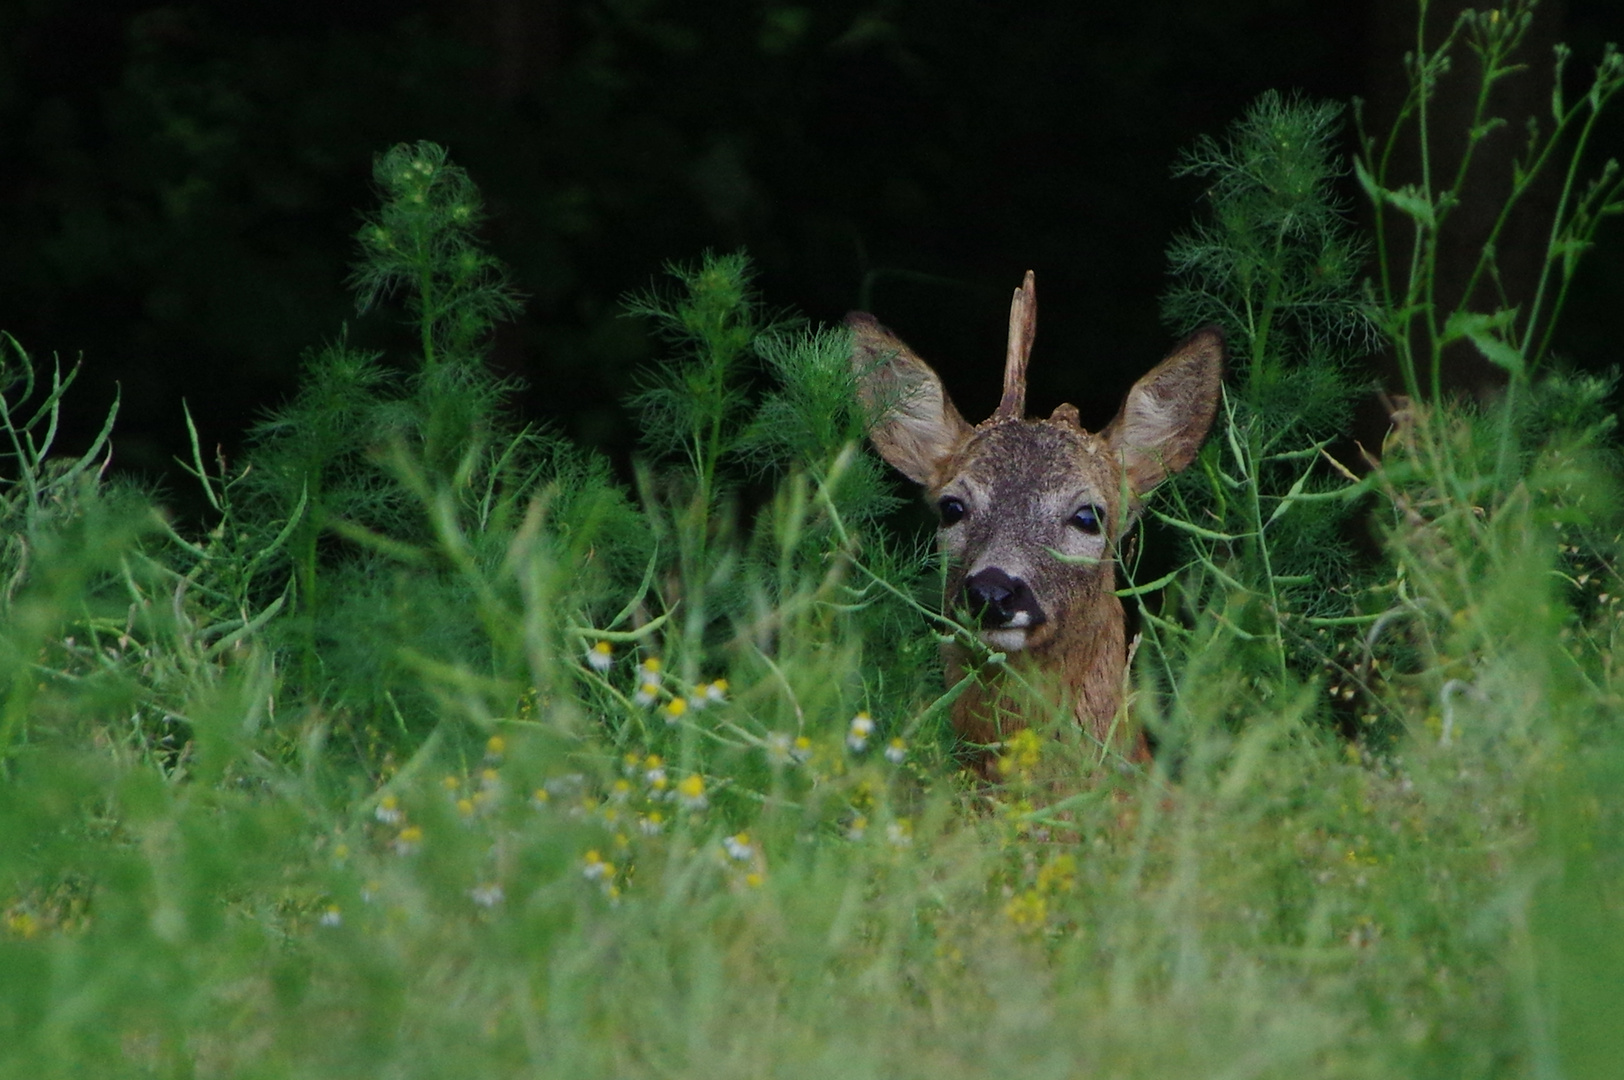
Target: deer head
x,y
1032,511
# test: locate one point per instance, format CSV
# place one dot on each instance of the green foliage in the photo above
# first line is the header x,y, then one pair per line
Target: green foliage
x,y
1419,325
1276,264
1262,514
373,461
420,760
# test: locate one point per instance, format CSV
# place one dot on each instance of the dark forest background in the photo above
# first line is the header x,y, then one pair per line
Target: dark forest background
x,y
179,184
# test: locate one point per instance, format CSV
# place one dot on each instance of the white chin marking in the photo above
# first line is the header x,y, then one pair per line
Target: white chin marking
x,y
1009,639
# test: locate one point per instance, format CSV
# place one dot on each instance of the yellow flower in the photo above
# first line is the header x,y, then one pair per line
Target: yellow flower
x,y
600,656
596,869
1028,911
1023,751
389,811
692,791
674,709
862,726
1059,875
654,772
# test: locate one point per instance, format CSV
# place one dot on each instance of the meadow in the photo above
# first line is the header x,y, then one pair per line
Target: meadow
x,y
439,750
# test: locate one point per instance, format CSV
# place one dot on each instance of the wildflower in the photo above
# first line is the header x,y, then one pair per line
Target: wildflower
x,y
674,709
654,772
646,693
369,892
862,726
716,691
1028,911
858,828
620,791
389,811
1059,875
410,838
650,669
896,751
596,869
540,798
754,879
600,656
566,785
802,750
332,916
701,696
465,807
451,783
900,833
738,847
651,824
778,748
486,895
341,852
495,747
692,792
622,840
1025,750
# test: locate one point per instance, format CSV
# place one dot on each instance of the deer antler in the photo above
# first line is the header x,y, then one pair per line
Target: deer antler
x,y
1023,325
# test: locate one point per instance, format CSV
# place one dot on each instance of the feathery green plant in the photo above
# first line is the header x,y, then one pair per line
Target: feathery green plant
x,y
1262,514
377,463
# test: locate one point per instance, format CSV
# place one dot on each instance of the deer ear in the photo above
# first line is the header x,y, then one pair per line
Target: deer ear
x,y
914,425
1167,413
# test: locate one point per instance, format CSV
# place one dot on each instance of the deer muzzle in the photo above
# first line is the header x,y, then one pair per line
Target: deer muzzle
x,y
1004,606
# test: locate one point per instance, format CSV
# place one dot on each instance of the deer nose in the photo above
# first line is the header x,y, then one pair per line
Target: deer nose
x,y
996,599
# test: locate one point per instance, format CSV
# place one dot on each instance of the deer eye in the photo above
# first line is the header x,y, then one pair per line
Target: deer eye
x,y
1087,519
951,509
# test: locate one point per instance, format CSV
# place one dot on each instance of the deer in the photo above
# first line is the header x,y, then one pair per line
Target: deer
x,y
1031,515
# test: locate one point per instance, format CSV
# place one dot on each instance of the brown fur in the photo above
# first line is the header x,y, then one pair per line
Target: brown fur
x,y
1019,482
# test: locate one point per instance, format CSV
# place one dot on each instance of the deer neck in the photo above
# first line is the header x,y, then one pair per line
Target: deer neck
x,y
1078,670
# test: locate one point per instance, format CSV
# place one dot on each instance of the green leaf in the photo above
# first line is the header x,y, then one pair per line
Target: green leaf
x,y
1413,202
1483,330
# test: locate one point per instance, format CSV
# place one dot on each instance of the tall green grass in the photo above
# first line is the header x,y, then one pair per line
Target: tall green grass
x,y
438,752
